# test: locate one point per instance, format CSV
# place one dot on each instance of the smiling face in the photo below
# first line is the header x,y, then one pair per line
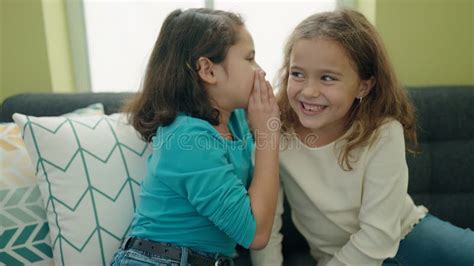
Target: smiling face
x,y
322,86
235,75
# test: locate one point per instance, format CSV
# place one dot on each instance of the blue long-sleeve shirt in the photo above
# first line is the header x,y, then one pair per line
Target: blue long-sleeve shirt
x,y
194,193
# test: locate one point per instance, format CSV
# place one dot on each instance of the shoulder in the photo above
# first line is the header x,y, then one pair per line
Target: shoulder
x,y
188,144
390,128
388,137
187,125
187,135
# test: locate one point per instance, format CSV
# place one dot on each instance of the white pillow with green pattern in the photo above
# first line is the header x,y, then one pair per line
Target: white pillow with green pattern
x,y
89,172
24,234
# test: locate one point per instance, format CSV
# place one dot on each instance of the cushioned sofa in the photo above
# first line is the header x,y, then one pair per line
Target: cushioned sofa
x,y
441,177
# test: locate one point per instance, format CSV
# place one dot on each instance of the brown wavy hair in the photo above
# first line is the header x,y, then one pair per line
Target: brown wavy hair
x,y
365,48
171,84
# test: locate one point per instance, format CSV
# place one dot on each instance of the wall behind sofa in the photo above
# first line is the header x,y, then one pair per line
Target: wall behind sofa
x,y
24,58
430,42
35,52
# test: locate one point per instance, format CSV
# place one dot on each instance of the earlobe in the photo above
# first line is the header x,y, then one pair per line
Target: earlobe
x,y
206,70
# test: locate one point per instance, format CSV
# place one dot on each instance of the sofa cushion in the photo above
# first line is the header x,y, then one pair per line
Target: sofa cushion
x,y
89,171
24,237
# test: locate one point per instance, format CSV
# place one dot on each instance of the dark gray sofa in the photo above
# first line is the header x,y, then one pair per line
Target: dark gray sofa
x,y
441,177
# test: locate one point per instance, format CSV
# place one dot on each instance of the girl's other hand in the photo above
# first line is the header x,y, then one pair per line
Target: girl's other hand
x,y
264,120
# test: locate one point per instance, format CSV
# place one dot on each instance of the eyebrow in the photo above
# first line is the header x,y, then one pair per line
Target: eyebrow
x,y
324,70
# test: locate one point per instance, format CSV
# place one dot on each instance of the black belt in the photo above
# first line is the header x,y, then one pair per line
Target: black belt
x,y
173,252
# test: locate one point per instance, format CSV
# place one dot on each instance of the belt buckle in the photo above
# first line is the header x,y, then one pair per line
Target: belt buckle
x,y
125,242
220,261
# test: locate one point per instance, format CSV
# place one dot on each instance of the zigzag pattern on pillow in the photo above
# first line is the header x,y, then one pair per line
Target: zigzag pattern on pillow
x,y
24,234
89,170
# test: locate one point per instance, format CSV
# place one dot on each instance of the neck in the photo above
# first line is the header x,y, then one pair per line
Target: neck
x,y
321,137
224,116
223,128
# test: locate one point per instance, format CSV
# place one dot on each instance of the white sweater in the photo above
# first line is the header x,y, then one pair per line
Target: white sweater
x,y
355,217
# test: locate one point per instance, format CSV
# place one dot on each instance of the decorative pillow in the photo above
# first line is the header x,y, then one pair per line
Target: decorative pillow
x,y
89,171
24,234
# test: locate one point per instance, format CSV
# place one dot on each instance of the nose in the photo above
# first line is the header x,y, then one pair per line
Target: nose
x,y
311,90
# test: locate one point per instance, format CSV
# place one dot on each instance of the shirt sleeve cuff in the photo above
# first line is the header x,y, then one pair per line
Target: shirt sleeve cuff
x,y
350,255
247,240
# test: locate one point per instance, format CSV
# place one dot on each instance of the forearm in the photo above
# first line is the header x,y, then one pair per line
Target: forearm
x,y
263,191
272,255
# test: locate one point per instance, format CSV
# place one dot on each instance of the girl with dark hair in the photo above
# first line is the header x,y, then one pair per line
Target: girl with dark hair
x,y
201,194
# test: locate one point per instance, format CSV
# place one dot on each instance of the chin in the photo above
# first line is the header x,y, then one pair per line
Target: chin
x,y
310,126
309,123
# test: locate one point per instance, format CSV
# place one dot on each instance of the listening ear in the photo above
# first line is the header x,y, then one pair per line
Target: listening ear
x,y
206,70
366,86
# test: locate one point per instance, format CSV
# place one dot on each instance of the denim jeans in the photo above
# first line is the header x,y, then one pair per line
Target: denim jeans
x,y
135,257
435,242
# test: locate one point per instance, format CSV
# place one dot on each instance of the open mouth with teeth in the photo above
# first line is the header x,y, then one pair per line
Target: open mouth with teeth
x,y
312,108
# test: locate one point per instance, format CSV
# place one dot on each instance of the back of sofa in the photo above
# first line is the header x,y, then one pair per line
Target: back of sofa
x,y
441,177
54,104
